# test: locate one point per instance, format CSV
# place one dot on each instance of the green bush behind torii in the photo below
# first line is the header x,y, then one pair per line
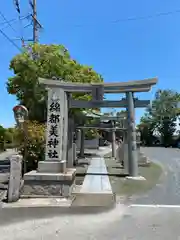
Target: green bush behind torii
x,y
49,61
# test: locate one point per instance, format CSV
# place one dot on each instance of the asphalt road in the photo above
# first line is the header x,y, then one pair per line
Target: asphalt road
x,y
134,222
125,223
167,191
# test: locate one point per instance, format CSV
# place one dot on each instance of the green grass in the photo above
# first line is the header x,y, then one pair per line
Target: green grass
x,y
127,187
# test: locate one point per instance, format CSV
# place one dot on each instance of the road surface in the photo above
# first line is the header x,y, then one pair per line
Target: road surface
x,y
7,153
125,223
167,191
134,222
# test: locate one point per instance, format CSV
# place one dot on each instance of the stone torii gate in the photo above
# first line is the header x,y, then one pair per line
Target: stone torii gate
x,y
102,126
55,175
59,132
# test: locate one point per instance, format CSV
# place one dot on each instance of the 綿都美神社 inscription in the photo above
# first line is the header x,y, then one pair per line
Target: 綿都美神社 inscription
x,y
53,132
54,118
54,107
54,123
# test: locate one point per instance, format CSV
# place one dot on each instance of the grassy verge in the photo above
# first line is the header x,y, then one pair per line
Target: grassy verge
x,y
123,187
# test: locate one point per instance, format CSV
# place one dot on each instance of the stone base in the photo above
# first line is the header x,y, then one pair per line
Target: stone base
x,y
52,167
138,178
37,184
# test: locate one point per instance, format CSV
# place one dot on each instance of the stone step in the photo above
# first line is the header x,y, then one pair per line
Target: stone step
x,y
94,199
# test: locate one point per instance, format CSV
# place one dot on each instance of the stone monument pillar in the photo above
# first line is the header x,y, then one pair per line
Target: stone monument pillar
x,y
15,178
52,177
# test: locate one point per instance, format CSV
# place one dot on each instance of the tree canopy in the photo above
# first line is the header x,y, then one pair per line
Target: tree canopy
x,y
46,61
2,133
161,117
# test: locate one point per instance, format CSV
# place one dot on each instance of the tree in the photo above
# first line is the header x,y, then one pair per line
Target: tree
x,y
146,128
162,115
2,132
45,61
2,137
11,136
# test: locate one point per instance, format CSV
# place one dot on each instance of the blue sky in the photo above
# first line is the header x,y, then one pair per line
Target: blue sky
x,y
99,34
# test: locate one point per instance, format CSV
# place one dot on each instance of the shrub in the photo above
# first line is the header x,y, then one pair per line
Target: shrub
x,y
35,133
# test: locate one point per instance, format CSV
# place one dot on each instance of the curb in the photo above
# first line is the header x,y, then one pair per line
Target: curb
x,y
58,204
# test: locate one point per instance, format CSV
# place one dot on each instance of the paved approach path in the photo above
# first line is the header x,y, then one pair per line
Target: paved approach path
x,y
167,191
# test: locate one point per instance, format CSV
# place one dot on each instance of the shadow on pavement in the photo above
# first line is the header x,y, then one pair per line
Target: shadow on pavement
x,y
12,215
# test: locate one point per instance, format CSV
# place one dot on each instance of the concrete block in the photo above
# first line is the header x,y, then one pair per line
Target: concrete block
x,y
138,178
38,176
52,166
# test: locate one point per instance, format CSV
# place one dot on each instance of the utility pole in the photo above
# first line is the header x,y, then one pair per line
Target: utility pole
x,y
35,22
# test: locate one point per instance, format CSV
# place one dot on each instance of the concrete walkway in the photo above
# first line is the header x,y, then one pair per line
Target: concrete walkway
x,y
97,166
96,179
96,189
